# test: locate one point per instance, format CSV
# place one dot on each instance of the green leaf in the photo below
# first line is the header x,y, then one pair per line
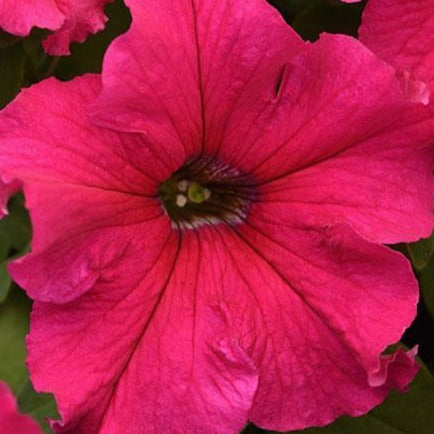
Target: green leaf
x,y
15,235
14,324
5,281
410,413
4,245
37,405
16,227
426,281
12,61
421,252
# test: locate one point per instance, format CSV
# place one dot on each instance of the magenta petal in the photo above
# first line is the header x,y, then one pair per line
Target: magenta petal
x,y
292,113
333,95
326,304
85,187
71,20
281,316
396,370
183,349
148,346
82,18
402,33
342,143
179,71
382,186
11,421
18,17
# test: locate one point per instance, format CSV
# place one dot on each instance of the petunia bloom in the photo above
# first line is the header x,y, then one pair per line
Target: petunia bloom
x,y
207,245
402,33
12,422
71,20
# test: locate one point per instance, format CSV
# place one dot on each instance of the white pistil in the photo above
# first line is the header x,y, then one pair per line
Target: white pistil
x,y
183,186
181,200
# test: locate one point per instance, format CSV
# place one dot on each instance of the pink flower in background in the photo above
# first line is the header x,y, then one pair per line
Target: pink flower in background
x,y
71,20
11,421
210,253
402,33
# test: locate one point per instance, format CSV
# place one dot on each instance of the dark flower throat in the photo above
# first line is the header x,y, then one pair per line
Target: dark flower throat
x,y
206,191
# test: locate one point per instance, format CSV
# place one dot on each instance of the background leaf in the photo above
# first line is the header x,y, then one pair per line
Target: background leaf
x,y
426,279
15,235
12,61
14,325
421,252
5,281
38,405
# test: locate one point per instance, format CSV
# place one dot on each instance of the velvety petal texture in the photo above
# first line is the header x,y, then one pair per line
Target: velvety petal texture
x,y
315,320
71,20
19,18
172,364
337,130
402,33
279,317
57,153
121,258
11,421
187,65
341,143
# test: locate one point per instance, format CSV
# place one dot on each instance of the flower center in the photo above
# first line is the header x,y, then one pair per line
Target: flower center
x,y
206,191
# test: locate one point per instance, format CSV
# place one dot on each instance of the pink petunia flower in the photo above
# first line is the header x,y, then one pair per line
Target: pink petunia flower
x,y
71,20
207,250
402,33
12,422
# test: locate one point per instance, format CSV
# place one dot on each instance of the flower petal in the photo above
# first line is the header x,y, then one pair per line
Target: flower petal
x,y
333,95
402,33
85,187
12,422
71,20
342,141
177,73
326,304
82,18
383,187
18,19
184,330
145,348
